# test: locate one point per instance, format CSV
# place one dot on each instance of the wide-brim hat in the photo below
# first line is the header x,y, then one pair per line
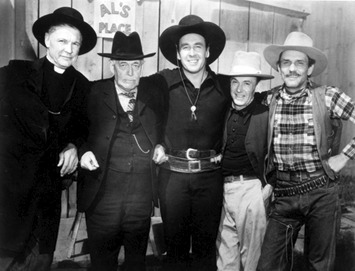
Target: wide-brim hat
x,y
247,64
213,34
70,16
297,41
126,47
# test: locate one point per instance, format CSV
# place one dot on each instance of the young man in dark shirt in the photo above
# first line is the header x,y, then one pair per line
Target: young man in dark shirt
x,y
191,180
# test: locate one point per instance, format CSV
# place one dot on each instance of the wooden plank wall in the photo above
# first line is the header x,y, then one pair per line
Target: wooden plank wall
x,y
331,26
7,34
248,26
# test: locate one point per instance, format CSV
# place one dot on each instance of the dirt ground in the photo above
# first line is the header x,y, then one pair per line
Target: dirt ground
x,y
345,258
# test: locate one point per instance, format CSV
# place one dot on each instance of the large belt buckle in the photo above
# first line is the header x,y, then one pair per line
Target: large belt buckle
x,y
188,154
194,165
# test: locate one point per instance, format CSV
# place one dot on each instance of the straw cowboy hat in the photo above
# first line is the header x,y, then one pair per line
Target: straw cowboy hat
x,y
213,34
126,47
70,16
297,41
247,64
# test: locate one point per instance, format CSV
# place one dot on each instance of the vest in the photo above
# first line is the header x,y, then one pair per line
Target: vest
x,y
327,130
130,146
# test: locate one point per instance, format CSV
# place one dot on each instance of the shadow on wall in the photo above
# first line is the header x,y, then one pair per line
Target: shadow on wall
x,y
16,41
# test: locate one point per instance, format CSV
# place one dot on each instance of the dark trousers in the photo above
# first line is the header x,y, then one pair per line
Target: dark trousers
x,y
120,215
191,207
319,211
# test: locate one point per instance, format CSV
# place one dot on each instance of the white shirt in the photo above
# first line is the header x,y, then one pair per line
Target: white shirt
x,y
124,100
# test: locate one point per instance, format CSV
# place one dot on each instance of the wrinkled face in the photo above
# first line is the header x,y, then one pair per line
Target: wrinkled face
x,y
63,43
127,73
294,70
242,91
193,53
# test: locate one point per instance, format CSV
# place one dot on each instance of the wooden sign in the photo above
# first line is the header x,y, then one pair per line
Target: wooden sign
x,y
112,16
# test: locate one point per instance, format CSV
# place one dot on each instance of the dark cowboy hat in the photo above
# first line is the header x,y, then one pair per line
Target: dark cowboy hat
x,y
213,34
70,16
297,41
126,47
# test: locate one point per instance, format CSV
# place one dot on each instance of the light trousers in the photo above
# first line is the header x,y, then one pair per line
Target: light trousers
x,y
242,227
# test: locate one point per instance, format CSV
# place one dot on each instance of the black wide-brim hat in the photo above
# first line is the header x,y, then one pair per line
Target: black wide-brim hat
x,y
126,47
213,34
70,16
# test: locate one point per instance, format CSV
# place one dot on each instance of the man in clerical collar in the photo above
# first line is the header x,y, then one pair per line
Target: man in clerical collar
x,y
41,127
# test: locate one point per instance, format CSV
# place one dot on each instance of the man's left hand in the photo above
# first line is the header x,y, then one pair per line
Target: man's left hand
x,y
68,160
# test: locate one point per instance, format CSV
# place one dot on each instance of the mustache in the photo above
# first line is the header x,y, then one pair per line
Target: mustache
x,y
293,74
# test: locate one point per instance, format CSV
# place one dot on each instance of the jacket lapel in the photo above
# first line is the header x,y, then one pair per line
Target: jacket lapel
x,y
142,98
35,80
110,92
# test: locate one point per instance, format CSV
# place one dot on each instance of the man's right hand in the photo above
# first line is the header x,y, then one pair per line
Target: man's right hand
x,y
159,156
88,161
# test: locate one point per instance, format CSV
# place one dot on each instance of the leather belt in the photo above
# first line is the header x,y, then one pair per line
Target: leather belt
x,y
298,175
231,179
192,153
301,188
189,166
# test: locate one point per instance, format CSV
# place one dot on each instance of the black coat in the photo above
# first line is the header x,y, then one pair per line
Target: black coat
x,y
30,188
102,113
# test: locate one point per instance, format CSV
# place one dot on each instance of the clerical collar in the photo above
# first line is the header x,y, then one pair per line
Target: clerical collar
x,y
55,68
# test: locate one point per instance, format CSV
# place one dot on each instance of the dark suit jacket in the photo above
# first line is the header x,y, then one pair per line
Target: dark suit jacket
x,y
102,114
30,191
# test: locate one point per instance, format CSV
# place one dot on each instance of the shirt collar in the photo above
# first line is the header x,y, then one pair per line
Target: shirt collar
x,y
120,90
290,98
245,112
176,79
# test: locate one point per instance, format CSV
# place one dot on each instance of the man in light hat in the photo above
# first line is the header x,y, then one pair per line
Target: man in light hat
x,y
118,184
303,141
190,176
40,127
247,191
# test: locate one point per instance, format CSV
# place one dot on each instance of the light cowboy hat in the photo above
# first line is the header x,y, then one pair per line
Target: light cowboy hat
x,y
213,34
297,41
70,16
126,47
247,64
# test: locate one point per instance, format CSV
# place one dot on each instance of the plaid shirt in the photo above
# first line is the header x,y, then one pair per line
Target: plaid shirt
x,y
294,139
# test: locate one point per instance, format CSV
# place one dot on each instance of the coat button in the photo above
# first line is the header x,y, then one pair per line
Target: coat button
x,y
107,137
114,117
